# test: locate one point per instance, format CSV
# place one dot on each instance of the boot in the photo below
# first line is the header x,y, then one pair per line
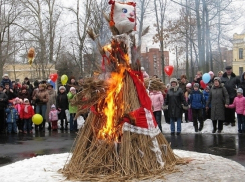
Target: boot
x,y
49,126
201,126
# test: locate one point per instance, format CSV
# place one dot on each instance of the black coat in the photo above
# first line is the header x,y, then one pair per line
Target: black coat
x,y
242,84
62,101
3,100
230,84
174,100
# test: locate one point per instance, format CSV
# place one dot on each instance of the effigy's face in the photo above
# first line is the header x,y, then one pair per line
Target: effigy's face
x,y
124,17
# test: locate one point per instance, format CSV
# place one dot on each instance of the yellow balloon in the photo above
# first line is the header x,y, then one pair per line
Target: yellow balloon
x,y
64,79
37,119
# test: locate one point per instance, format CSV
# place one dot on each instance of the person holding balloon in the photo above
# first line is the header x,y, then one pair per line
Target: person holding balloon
x,y
41,98
26,114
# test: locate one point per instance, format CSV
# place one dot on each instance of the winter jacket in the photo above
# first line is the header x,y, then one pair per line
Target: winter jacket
x,y
12,115
4,81
53,115
239,104
196,100
218,97
62,101
11,95
52,100
24,95
3,100
206,95
230,84
174,100
156,100
41,97
242,83
26,115
72,109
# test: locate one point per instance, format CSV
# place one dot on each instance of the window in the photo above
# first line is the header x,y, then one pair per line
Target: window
x,y
240,53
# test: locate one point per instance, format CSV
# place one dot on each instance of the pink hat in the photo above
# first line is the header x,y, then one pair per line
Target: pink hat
x,y
72,88
188,85
211,73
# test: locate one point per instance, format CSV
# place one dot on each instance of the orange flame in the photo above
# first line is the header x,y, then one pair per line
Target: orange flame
x,y
116,83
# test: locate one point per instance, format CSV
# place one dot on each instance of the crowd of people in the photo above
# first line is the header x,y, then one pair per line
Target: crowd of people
x,y
20,101
221,97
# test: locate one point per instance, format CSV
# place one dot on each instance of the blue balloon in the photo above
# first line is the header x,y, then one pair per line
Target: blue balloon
x,y
206,78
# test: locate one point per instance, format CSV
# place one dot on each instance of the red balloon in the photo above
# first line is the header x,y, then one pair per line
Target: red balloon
x,y
169,70
203,85
53,77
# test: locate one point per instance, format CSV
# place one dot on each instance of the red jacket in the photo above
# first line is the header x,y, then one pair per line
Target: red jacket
x,y
26,115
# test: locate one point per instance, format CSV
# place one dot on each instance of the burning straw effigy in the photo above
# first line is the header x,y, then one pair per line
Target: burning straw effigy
x,y
120,139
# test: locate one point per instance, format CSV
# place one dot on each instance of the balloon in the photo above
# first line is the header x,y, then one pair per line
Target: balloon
x,y
64,79
169,70
206,77
53,77
37,119
203,85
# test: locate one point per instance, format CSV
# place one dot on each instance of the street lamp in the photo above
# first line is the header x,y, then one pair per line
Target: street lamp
x,y
224,61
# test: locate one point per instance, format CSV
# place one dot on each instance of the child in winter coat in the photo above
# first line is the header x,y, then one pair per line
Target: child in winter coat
x,y
53,117
12,116
197,102
157,103
239,104
17,104
26,114
206,112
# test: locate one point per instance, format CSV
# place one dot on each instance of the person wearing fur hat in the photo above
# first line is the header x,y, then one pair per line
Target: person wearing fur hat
x,y
197,103
239,104
52,101
219,99
174,101
72,110
53,117
62,106
26,114
6,80
231,83
41,99
3,105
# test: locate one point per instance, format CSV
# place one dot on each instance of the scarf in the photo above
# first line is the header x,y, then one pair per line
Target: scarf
x,y
26,109
175,88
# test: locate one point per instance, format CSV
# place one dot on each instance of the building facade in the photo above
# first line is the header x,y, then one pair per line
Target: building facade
x,y
152,62
238,53
18,72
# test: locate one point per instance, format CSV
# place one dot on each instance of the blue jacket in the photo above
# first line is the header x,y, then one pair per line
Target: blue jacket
x,y
206,95
196,100
12,115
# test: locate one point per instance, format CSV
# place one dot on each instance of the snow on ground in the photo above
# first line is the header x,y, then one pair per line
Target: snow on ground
x,y
203,167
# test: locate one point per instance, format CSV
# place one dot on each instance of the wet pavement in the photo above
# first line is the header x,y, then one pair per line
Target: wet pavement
x,y
18,147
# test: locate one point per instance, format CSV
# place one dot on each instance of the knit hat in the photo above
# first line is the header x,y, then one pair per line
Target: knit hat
x,y
53,106
26,100
188,85
62,88
72,88
142,68
211,73
239,90
6,75
196,85
217,78
50,85
173,80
